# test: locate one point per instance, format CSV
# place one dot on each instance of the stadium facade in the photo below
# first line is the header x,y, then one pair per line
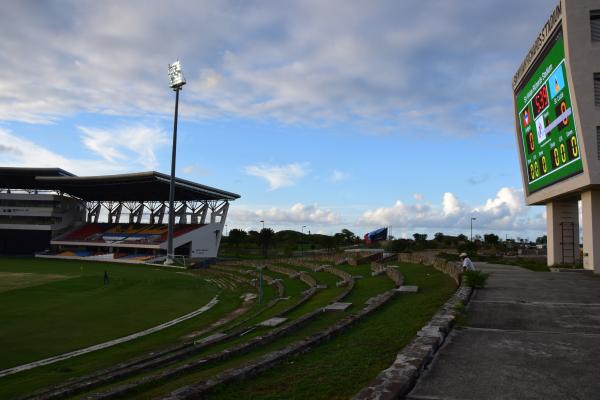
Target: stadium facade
x,y
53,213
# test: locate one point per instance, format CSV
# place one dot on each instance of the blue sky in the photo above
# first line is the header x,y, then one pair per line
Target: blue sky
x,y
329,114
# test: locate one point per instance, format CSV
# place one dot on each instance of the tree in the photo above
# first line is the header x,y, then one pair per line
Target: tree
x,y
462,238
398,245
253,236
490,238
236,237
420,237
349,236
468,247
438,237
265,239
542,240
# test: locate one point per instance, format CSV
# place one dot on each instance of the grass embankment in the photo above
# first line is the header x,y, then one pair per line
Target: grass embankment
x,y
341,367
45,317
363,290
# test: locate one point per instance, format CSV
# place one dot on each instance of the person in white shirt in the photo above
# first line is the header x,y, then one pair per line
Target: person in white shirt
x,y
467,264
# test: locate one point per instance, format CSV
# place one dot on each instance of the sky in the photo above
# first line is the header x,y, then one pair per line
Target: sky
x,y
325,114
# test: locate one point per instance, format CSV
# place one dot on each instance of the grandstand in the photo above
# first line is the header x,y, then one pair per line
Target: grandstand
x,y
118,217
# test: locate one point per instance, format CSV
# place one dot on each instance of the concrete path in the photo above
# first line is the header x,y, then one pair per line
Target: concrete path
x,y
529,335
110,343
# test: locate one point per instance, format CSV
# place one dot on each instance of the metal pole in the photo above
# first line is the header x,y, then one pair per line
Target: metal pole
x,y
302,242
260,284
170,252
472,228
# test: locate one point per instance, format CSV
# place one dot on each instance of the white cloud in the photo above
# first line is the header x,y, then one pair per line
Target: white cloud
x,y
450,204
137,143
116,151
278,176
338,176
426,62
506,212
509,198
418,196
19,152
297,214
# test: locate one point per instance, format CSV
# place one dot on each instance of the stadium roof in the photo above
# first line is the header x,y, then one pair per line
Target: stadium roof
x,y
24,178
143,186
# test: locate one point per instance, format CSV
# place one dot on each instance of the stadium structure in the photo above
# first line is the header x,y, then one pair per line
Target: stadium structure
x,y
55,214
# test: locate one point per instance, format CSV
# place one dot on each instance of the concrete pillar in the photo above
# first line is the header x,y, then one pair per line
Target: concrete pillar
x,y
590,207
562,219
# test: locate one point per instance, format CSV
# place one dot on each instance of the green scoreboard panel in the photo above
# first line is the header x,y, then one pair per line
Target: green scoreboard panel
x,y
548,134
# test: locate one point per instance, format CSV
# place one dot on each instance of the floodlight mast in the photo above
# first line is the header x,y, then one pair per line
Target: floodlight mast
x,y
176,80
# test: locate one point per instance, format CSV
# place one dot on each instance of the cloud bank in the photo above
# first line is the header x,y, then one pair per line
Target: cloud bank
x,y
409,66
504,212
112,151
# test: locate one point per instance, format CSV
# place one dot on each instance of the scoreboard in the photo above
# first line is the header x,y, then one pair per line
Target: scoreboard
x,y
546,120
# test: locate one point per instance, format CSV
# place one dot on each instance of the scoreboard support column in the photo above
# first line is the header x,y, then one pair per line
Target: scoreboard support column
x,y
562,219
590,207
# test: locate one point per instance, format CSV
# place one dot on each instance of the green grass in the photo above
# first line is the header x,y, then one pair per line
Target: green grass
x,y
372,285
58,316
532,265
341,367
369,346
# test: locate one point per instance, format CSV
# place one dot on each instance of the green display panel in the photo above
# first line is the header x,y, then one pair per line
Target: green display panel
x,y
545,114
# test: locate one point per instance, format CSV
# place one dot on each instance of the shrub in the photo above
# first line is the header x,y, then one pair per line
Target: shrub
x,y
448,256
476,279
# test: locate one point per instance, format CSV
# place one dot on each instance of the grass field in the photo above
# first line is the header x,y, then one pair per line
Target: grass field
x,y
49,307
74,294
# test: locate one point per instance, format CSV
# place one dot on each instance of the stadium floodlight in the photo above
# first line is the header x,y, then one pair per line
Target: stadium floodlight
x,y
263,223
176,80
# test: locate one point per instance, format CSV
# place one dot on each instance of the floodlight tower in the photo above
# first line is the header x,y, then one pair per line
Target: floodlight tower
x,y
176,82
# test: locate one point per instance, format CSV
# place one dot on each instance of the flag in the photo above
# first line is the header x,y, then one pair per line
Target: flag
x,y
526,118
556,82
378,234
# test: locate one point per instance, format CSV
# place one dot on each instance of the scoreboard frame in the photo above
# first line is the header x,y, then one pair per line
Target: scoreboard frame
x,y
571,19
549,140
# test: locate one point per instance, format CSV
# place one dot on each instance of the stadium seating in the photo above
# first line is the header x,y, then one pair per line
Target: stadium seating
x,y
127,233
84,232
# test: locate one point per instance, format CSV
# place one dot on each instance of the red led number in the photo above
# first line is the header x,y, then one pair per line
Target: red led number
x,y
540,101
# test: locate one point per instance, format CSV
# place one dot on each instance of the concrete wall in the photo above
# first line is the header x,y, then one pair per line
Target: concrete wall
x,y
590,204
560,214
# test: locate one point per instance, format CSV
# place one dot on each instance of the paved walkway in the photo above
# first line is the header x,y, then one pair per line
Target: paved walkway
x,y
110,343
529,335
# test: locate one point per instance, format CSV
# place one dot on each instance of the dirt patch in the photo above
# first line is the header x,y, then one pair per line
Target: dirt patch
x,y
20,280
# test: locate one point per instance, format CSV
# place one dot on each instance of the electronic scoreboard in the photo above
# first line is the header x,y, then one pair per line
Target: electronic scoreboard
x,y
546,119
